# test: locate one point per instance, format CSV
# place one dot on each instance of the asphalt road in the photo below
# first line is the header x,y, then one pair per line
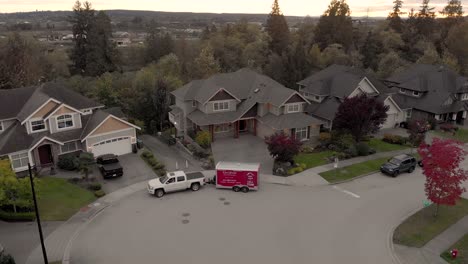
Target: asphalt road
x,y
350,223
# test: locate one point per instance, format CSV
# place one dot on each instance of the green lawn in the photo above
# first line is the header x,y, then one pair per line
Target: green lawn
x,y
460,135
462,246
58,199
421,227
353,171
312,160
381,146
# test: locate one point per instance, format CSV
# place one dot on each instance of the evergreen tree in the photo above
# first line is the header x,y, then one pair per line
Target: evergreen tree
x,y
425,20
396,23
157,44
82,20
278,29
161,102
335,26
370,51
453,9
205,64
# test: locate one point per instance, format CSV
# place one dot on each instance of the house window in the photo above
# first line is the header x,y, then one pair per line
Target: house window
x,y
1,126
408,113
221,106
194,103
402,90
68,147
317,98
19,160
415,93
301,133
464,97
38,125
64,121
87,111
222,128
294,108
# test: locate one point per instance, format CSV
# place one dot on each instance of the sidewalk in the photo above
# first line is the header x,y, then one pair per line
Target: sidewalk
x,y
430,253
311,176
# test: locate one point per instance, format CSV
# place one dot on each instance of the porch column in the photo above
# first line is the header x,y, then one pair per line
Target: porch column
x,y
212,132
255,127
237,127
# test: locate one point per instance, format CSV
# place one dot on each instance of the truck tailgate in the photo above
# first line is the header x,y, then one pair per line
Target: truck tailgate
x,y
194,176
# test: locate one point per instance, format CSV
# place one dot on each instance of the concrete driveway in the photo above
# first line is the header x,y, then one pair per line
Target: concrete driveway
x,y
246,148
135,170
349,223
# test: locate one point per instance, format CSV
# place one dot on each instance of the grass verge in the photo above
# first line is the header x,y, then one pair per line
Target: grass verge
x,y
58,199
460,135
462,246
353,171
312,160
422,227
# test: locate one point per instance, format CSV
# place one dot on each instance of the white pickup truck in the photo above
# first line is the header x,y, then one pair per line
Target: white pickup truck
x,y
176,181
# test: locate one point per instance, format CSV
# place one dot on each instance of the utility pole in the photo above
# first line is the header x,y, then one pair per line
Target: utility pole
x,y
38,219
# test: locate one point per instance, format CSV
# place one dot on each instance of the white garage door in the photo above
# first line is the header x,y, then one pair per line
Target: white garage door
x,y
118,146
391,121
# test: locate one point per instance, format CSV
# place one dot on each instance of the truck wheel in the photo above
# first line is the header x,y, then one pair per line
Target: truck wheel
x,y
245,189
236,188
159,193
411,170
195,187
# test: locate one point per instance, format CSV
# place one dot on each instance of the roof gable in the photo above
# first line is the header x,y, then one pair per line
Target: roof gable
x,y
222,94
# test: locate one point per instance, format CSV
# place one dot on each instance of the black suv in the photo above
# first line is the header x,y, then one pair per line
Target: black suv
x,y
399,164
109,166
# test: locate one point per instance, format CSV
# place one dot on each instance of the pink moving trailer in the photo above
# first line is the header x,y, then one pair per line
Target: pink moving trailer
x,y
237,176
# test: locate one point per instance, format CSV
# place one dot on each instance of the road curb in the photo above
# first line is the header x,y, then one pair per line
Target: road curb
x,y
390,245
352,179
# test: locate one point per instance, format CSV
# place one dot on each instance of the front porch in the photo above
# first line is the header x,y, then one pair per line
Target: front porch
x,y
234,129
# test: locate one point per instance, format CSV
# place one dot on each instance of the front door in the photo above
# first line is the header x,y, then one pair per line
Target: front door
x,y
45,155
243,125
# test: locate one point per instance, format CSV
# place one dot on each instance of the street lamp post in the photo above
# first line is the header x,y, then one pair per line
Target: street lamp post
x,y
44,253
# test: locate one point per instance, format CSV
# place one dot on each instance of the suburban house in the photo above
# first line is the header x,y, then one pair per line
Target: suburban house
x,y
432,91
38,124
230,104
328,88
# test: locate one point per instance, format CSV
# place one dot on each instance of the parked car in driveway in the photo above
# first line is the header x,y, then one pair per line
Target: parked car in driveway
x,y
399,164
109,166
176,181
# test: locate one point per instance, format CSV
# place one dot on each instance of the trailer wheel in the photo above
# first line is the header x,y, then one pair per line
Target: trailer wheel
x,y
159,193
236,188
245,189
195,187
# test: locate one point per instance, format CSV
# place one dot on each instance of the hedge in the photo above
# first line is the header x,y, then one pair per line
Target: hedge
x,y
158,168
17,217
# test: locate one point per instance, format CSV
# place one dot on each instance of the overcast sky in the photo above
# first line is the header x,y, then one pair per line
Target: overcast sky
x,y
289,7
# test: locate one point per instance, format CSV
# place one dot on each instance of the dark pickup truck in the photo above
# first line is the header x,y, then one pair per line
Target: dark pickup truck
x,y
109,166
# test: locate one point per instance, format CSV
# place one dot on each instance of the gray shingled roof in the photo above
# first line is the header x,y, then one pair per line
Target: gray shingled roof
x,y
326,110
93,122
14,139
339,81
22,102
240,84
436,83
288,121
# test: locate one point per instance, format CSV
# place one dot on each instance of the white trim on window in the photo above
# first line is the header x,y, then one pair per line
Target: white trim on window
x,y
68,147
66,120
403,91
416,93
19,161
302,133
220,106
293,108
1,126
464,97
37,125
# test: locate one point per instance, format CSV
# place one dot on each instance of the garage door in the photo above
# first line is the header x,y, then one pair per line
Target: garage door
x,y
391,121
118,146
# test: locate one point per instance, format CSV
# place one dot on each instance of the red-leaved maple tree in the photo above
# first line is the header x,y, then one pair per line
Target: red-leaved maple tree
x,y
282,147
441,165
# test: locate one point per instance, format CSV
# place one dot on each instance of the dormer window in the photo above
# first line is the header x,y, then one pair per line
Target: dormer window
x,y
464,97
416,93
87,111
64,121
403,91
294,108
38,126
221,106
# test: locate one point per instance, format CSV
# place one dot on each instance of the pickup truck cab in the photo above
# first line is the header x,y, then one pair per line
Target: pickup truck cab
x,y
109,166
176,181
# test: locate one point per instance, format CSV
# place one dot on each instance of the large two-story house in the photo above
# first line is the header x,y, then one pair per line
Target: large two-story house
x,y
230,104
328,88
38,124
432,91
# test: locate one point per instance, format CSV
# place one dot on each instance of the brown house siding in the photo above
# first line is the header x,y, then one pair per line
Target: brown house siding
x,y
45,109
222,95
64,110
110,125
295,99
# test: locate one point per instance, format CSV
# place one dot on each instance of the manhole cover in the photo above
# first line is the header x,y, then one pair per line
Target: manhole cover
x,y
222,199
185,221
186,214
227,203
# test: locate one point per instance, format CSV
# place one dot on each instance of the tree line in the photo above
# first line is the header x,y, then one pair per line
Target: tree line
x,y
94,66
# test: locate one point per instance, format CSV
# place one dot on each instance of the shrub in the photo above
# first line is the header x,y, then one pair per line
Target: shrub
x,y
153,161
446,127
68,162
362,149
191,133
372,151
95,186
159,166
203,139
6,259
345,141
352,151
433,122
161,172
17,217
282,147
394,139
146,154
307,149
99,193
295,170
325,137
